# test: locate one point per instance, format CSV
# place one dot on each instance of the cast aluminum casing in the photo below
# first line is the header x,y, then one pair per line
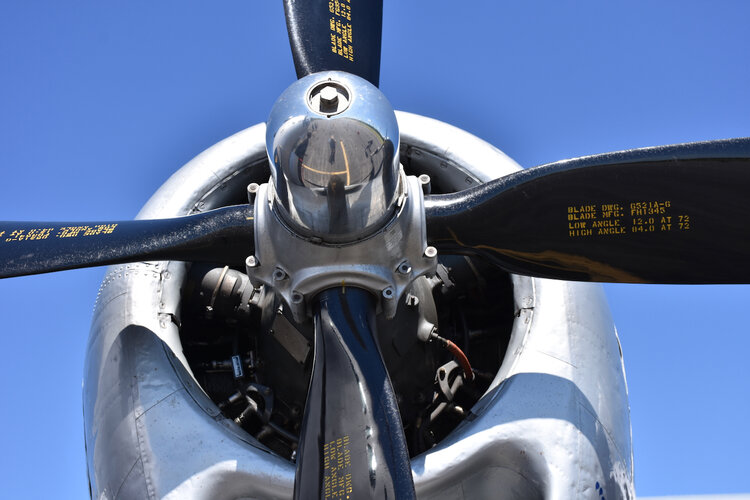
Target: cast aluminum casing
x,y
401,247
553,424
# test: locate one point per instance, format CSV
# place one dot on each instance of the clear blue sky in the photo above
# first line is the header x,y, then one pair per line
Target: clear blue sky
x,y
101,101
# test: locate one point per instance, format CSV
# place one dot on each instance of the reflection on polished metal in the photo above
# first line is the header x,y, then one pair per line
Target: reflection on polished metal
x,y
333,140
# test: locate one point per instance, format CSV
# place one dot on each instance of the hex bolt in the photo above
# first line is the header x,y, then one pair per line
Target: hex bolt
x,y
329,97
252,191
404,268
424,181
388,293
278,274
430,252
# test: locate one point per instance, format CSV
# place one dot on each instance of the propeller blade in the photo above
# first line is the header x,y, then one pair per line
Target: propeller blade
x,y
335,35
225,235
352,443
670,214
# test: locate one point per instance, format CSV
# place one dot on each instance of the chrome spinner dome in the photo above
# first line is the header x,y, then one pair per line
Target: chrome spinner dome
x,y
332,139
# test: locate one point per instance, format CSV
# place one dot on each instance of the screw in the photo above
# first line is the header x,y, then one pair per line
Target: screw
x,y
404,268
297,298
430,252
278,274
388,293
251,261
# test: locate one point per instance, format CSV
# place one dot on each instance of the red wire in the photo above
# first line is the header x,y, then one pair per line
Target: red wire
x,y
460,357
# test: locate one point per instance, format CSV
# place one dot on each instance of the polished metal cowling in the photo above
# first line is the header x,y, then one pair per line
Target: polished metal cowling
x,y
332,139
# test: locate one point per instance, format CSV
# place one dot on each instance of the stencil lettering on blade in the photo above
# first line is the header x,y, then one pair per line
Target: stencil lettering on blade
x,y
607,219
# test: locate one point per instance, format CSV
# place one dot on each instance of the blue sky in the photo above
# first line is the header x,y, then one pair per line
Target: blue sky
x,y
101,102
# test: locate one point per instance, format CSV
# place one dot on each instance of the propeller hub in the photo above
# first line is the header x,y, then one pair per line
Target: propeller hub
x,y
332,139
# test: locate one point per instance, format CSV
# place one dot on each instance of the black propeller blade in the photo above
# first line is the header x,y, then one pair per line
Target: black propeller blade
x,y
352,443
671,214
336,35
225,235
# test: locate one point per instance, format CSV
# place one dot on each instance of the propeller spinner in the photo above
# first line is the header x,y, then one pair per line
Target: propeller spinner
x,y
332,139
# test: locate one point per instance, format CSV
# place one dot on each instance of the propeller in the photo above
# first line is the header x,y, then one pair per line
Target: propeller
x,y
670,214
352,443
673,214
352,440
337,35
225,235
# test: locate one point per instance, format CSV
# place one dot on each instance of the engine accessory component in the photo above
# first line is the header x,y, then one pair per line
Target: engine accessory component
x,y
290,338
225,291
237,367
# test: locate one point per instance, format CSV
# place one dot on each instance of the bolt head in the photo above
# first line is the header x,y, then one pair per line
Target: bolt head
x,y
404,268
329,95
329,98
